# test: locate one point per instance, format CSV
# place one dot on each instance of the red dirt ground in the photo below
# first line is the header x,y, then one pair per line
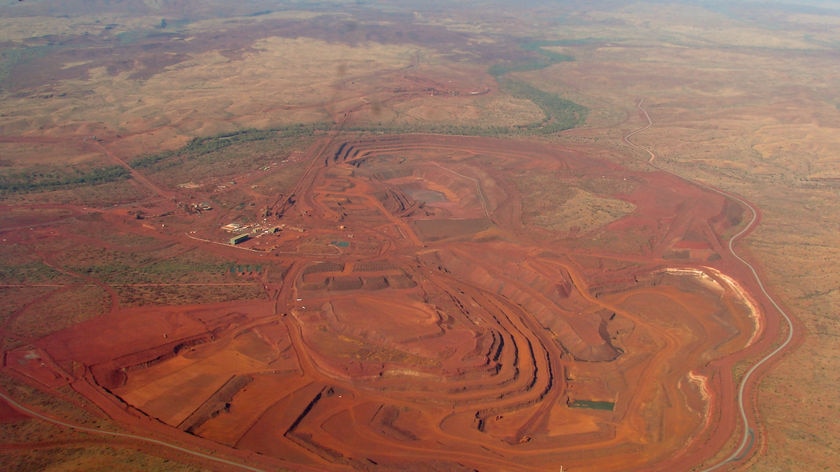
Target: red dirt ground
x,y
423,326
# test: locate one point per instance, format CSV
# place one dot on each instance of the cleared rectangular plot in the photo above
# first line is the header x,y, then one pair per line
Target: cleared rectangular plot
x,y
246,408
172,390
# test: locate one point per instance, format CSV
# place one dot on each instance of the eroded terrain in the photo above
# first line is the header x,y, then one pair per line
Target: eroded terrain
x,y
411,310
338,236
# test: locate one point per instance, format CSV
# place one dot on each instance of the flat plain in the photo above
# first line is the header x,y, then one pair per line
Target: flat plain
x,y
277,235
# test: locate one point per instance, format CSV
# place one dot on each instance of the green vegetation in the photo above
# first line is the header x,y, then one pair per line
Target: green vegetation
x,y
222,158
544,58
498,70
89,457
57,406
13,57
592,405
100,195
61,309
20,267
170,26
126,38
435,128
43,178
539,47
201,146
237,269
14,299
162,295
28,272
214,143
118,267
560,114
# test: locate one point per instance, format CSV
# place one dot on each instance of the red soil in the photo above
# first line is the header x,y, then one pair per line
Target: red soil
x,y
9,414
433,329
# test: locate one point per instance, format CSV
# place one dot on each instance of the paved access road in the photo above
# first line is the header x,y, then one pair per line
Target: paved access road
x,y
748,425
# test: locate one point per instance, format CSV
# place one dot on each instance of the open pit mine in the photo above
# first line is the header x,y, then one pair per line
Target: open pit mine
x,y
446,303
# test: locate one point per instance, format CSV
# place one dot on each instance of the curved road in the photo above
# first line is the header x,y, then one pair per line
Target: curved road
x,y
116,434
748,438
744,446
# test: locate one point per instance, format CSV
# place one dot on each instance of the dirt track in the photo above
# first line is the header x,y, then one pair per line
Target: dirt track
x,y
423,315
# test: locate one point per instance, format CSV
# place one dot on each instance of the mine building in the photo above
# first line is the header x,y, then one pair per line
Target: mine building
x,y
238,239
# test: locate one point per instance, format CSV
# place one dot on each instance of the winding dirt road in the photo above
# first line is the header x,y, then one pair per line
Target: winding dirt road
x,y
748,435
506,374
14,404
